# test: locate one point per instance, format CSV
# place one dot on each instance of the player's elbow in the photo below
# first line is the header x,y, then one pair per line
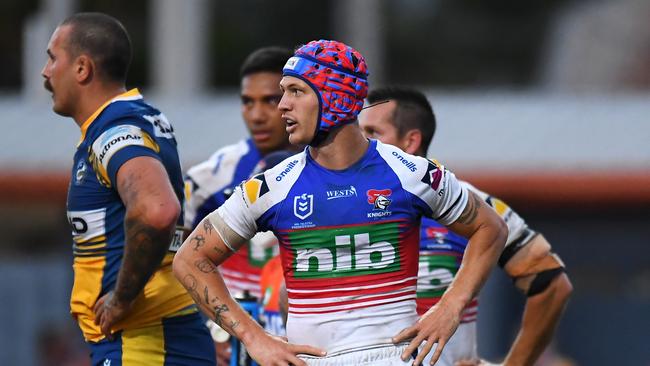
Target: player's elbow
x,y
179,264
563,288
162,215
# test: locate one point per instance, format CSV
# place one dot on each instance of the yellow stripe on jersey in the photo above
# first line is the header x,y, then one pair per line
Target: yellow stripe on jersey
x,y
252,189
162,296
96,239
143,346
150,142
499,206
188,192
87,122
88,273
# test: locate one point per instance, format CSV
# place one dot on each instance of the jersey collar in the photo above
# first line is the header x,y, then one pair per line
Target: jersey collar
x,y
132,94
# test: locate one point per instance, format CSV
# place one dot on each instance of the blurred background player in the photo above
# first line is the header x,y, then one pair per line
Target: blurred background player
x,y
347,213
403,117
211,182
273,299
124,204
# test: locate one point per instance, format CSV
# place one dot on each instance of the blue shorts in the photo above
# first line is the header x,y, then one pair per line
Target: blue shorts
x,y
180,341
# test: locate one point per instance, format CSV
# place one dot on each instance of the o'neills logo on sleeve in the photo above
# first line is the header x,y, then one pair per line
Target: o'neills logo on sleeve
x,y
407,163
286,170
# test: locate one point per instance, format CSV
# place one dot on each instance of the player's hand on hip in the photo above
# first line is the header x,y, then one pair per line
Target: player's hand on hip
x,y
436,326
223,353
108,311
275,351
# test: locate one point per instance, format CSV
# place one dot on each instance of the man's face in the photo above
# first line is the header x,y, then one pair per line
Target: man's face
x,y
59,72
299,107
377,122
260,95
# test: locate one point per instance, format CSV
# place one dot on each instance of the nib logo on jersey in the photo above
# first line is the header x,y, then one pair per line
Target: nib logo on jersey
x,y
341,192
345,251
380,200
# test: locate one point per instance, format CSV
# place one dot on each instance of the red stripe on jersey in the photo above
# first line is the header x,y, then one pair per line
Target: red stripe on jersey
x,y
283,232
351,308
337,292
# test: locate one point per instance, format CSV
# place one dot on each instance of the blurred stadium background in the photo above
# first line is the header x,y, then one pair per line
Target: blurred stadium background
x,y
543,103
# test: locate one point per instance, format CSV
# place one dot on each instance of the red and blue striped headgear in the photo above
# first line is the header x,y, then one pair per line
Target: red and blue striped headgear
x,y
339,75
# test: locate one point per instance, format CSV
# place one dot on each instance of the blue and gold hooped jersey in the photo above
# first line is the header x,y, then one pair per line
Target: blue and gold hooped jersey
x,y
123,128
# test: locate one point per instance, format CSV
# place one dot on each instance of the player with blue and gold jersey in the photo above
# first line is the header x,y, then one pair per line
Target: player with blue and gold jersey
x,y
124,205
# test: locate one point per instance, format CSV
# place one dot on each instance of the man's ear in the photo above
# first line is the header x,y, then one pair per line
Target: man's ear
x,y
412,141
84,69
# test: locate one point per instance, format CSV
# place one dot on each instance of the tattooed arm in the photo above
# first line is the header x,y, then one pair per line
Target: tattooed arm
x,y
195,265
152,210
487,235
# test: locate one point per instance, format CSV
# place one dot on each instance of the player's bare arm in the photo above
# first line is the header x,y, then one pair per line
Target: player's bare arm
x,y
151,213
487,235
195,265
539,274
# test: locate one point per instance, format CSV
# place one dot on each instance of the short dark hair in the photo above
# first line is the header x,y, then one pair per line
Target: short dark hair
x,y
413,111
104,39
265,59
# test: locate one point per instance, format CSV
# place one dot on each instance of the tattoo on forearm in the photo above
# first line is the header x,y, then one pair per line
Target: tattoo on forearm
x,y
191,284
207,227
471,211
144,250
218,310
206,297
234,325
198,241
205,266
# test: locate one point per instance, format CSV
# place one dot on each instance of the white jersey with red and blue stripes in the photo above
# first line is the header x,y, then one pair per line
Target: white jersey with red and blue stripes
x,y
349,239
441,253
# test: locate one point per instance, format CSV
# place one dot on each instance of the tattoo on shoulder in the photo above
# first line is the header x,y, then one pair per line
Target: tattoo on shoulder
x,y
198,241
471,210
205,266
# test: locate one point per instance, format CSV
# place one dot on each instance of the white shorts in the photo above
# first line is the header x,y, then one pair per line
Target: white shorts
x,y
461,346
380,355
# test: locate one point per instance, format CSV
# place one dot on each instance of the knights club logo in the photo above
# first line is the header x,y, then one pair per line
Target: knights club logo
x,y
303,205
434,175
379,198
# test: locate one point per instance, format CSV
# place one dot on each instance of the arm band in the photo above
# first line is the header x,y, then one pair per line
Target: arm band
x,y
229,237
509,251
543,280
